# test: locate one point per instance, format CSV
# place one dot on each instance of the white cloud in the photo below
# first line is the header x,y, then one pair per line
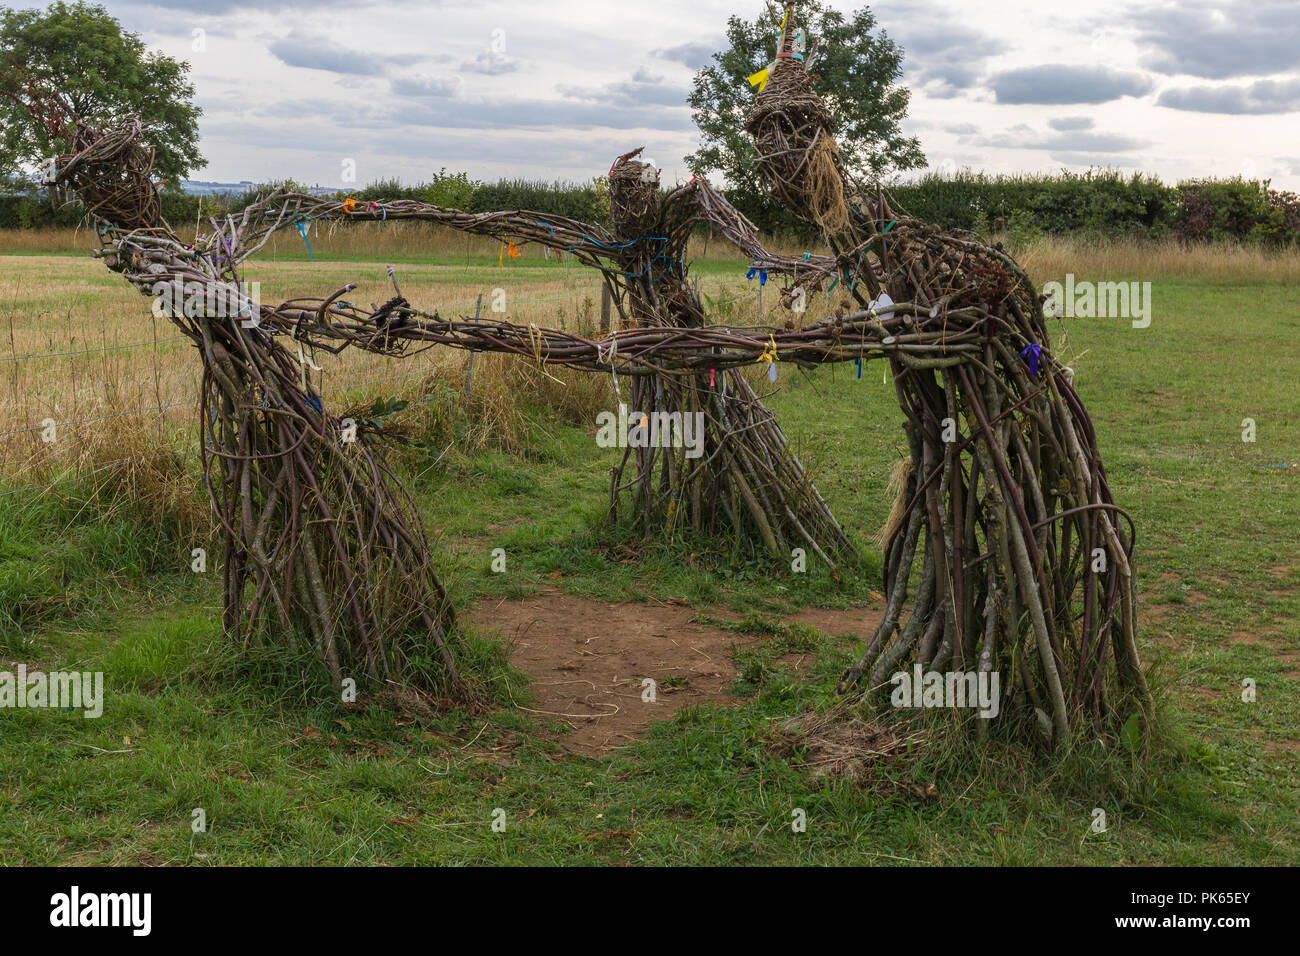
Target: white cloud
x,y
288,86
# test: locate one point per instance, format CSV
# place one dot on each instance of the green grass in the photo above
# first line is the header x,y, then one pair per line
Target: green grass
x,y
288,774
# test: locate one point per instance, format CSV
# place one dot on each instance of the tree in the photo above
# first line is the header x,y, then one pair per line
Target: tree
x,y
858,73
106,73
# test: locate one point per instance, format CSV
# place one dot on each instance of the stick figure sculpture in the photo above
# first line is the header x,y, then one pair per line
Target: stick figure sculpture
x,y
1026,561
747,480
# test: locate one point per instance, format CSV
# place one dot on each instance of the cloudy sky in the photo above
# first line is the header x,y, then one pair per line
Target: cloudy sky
x,y
557,89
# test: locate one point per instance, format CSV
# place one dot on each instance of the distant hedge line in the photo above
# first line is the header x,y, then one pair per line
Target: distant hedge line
x,y
1107,204
586,202
1100,203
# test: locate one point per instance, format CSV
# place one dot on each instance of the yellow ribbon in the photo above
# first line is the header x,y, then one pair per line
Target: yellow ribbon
x,y
760,78
535,339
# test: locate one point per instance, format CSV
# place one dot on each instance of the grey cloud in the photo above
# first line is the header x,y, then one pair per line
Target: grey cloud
x,y
352,110
642,90
620,106
1058,85
1067,123
693,55
1021,137
1093,141
548,115
227,6
317,53
933,34
944,81
961,129
1213,41
1260,97
425,86
940,54
491,63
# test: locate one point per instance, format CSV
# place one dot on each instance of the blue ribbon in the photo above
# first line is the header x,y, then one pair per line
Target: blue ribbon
x,y
761,273
1030,353
858,362
302,231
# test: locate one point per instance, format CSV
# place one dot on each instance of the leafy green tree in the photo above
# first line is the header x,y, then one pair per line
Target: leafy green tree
x,y
455,190
81,51
858,73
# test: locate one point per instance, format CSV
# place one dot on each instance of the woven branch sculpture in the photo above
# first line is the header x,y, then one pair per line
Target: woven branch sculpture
x,y
1025,560
748,481
323,548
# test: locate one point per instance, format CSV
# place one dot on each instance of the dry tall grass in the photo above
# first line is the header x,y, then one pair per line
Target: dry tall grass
x,y
1051,259
79,347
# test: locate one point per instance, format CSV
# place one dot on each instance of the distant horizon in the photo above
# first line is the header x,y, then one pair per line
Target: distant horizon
x,y
910,177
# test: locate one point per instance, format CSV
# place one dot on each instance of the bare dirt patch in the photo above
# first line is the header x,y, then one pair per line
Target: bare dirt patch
x,y
588,660
1247,637
858,621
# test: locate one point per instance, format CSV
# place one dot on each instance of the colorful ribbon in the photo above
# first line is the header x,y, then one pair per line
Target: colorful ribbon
x,y
1031,353
302,231
511,248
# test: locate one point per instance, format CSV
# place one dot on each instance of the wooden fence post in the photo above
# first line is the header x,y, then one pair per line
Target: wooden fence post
x,y
478,309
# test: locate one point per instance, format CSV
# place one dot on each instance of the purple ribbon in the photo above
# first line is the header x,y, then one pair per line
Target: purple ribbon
x,y
1030,353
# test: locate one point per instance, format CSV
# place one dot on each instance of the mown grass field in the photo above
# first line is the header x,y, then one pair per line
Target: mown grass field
x,y
287,774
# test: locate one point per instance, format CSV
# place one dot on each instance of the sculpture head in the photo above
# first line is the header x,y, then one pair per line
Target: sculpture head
x,y
633,195
798,161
